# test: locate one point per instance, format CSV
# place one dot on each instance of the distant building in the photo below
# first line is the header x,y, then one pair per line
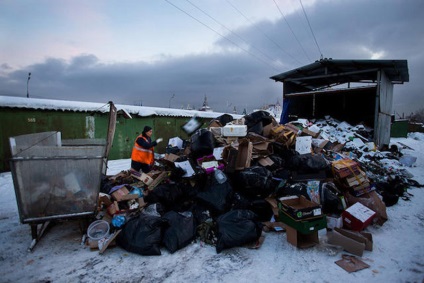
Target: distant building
x,y
273,109
205,107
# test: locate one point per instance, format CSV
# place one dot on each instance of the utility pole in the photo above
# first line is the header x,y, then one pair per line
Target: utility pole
x,y
173,95
29,77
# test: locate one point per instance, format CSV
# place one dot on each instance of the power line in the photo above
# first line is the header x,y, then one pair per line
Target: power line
x,y
269,58
301,46
270,39
310,27
223,36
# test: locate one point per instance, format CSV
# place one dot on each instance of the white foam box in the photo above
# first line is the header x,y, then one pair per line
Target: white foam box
x,y
234,130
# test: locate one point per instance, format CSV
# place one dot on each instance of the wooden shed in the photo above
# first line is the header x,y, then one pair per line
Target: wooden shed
x,y
355,91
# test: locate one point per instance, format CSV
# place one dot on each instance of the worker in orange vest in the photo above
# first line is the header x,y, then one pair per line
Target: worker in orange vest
x,y
143,156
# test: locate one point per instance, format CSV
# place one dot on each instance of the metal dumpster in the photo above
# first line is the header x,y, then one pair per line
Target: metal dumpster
x,y
57,179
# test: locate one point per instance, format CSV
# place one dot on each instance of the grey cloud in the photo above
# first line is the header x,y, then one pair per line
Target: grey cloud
x,y
241,79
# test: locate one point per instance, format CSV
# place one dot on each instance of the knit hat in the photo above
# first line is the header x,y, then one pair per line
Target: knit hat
x,y
146,129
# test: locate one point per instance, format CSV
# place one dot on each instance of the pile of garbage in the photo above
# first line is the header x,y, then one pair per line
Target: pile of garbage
x,y
237,179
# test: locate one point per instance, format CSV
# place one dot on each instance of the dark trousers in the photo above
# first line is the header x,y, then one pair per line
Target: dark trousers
x,y
137,166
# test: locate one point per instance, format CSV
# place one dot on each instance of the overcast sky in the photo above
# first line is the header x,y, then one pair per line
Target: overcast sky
x,y
175,52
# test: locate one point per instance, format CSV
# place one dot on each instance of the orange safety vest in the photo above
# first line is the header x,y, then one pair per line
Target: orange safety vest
x,y
141,154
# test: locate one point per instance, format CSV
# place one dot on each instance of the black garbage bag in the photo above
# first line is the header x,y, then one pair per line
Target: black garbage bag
x,y
223,119
295,189
180,231
106,185
260,207
142,235
202,143
237,228
390,191
308,163
216,197
169,195
257,120
254,181
330,199
257,128
260,116
278,162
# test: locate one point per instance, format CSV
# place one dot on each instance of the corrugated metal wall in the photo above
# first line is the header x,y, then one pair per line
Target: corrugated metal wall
x,y
77,125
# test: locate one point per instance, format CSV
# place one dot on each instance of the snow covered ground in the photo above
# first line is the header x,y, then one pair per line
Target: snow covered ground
x,y
398,254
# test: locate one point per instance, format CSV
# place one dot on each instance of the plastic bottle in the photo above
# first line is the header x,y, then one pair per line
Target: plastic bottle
x,y
219,176
118,221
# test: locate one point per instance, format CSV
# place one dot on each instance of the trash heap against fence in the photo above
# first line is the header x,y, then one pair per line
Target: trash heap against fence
x,y
237,179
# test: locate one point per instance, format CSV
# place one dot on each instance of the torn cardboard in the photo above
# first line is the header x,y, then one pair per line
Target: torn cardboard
x,y
351,263
351,241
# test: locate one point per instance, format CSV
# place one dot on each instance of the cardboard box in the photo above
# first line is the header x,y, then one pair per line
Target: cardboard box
x,y
345,167
265,161
163,176
357,217
300,207
274,205
171,157
244,155
307,132
145,178
117,194
113,208
262,148
300,240
305,226
351,241
229,154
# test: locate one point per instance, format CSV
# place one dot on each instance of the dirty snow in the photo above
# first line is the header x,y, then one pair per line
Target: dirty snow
x,y
398,254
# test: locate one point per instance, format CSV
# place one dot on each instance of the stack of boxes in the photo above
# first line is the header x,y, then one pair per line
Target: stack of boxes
x,y
303,219
349,175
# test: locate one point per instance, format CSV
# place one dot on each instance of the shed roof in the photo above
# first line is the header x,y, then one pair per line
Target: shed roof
x,y
328,72
79,106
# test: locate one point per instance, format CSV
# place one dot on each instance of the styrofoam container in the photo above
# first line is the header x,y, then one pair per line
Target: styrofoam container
x,y
230,130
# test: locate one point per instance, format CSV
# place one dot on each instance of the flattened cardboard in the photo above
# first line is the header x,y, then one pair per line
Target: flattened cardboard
x,y
350,245
266,161
351,263
161,177
363,237
171,157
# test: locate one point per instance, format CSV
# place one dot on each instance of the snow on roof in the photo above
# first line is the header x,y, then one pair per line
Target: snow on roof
x,y
67,105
